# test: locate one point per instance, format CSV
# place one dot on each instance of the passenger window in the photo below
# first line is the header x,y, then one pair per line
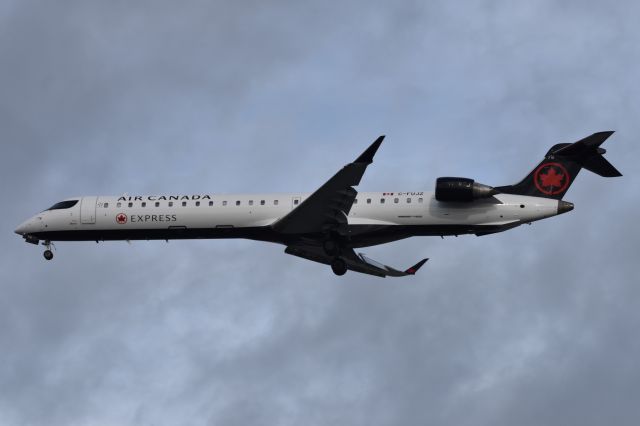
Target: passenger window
x,y
355,201
106,205
408,200
184,204
395,200
381,200
419,200
144,204
157,203
262,202
368,200
250,202
238,203
130,204
224,203
197,203
275,202
295,202
119,205
210,203
170,203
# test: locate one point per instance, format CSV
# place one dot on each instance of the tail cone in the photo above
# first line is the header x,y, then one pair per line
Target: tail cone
x,y
564,206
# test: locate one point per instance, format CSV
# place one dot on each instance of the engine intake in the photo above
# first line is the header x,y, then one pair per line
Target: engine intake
x,y
457,189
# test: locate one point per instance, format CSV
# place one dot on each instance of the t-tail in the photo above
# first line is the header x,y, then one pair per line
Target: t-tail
x,y
556,172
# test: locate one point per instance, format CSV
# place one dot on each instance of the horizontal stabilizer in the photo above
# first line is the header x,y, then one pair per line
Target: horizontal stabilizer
x,y
588,154
585,145
600,166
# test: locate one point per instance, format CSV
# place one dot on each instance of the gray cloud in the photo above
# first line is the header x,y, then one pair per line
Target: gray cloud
x,y
534,326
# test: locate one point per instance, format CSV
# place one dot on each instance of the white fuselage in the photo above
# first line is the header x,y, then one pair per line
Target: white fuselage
x,y
374,218
327,225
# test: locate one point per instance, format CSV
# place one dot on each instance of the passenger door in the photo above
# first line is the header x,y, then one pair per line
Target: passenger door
x,y
88,210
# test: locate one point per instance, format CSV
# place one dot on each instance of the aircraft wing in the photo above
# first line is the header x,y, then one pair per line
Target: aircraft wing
x,y
328,207
357,262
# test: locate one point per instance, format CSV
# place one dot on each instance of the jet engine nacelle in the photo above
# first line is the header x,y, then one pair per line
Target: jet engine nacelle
x,y
457,189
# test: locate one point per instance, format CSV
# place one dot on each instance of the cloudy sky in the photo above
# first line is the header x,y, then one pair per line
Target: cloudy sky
x,y
535,326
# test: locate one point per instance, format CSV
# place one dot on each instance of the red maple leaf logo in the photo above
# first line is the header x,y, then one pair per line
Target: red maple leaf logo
x,y
552,178
121,218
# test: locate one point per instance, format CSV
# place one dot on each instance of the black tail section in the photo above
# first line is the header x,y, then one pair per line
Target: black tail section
x,y
555,174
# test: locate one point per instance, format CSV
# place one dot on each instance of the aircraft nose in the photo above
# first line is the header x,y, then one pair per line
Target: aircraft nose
x,y
21,229
26,227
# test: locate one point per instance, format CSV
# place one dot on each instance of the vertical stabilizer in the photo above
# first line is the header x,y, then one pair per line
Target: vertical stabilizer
x,y
553,176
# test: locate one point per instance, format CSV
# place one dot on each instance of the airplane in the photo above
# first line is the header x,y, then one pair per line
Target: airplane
x,y
327,225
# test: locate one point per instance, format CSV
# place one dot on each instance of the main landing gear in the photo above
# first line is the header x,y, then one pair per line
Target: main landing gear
x,y
331,247
48,254
338,265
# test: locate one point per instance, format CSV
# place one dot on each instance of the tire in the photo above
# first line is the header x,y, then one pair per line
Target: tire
x,y
339,267
48,254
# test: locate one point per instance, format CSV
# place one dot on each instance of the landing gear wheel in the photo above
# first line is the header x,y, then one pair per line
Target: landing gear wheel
x,y
48,254
330,247
339,267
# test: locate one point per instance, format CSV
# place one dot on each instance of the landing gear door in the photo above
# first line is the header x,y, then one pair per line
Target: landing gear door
x,y
88,210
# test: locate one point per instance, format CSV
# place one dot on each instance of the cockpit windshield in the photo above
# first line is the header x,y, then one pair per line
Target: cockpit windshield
x,y
63,205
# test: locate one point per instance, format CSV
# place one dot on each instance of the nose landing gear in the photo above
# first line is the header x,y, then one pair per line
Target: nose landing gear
x,y
48,254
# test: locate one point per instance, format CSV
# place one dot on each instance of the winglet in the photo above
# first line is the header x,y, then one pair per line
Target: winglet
x,y
367,156
414,268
